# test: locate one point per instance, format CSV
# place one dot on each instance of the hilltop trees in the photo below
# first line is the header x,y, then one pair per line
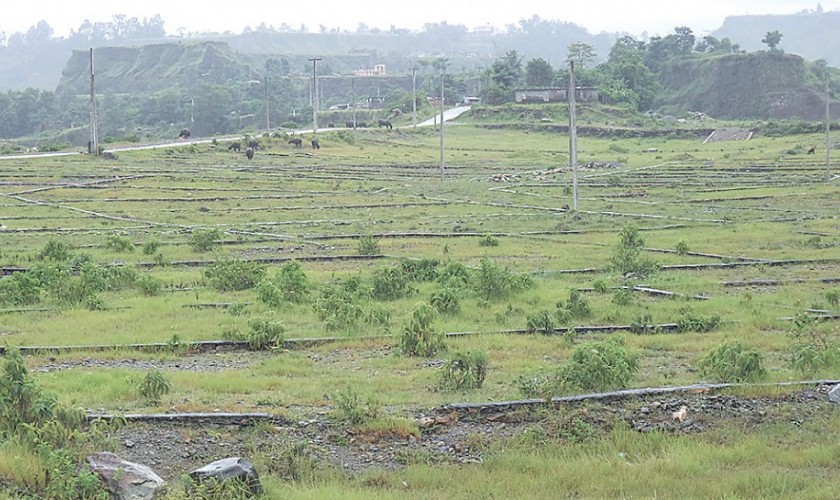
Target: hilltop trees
x,y
772,39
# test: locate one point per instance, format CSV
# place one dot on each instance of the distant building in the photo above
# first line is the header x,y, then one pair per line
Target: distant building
x,y
558,94
377,70
375,102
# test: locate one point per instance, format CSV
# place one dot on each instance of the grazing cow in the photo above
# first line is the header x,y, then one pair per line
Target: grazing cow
x,y
350,124
254,144
184,133
315,143
385,123
331,125
812,149
296,141
249,153
235,146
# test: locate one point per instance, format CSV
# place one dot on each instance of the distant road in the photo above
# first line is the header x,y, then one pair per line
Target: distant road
x,y
448,115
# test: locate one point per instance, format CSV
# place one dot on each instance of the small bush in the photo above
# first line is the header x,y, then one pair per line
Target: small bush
x,y
600,286
337,308
351,409
234,274
696,323
540,322
420,270
290,284
833,297
418,337
488,240
149,285
606,364
151,247
623,296
119,244
464,370
203,240
368,245
627,260
577,305
154,386
264,334
454,275
491,282
732,362
445,301
682,248
390,284
56,251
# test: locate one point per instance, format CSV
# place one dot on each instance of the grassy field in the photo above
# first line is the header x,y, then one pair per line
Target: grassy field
x,y
502,206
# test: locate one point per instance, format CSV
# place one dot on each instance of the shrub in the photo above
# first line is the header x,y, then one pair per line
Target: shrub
x,y
606,364
418,337
814,349
21,289
464,370
623,296
203,240
540,322
732,362
577,304
151,247
454,275
149,285
626,259
368,245
600,286
119,244
420,270
445,301
833,297
488,240
390,284
695,323
353,410
492,282
234,274
56,251
288,285
682,248
337,308
264,334
154,386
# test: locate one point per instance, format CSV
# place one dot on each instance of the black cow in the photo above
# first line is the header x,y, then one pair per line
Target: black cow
x,y
254,144
315,143
296,141
385,123
350,124
235,146
811,150
249,153
184,133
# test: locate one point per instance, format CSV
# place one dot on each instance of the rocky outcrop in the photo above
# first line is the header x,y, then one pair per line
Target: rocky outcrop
x,y
123,479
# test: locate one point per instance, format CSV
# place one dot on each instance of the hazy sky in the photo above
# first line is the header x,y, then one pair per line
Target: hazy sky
x,y
631,16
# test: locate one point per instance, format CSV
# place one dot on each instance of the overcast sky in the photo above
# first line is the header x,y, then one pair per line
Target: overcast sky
x,y
631,16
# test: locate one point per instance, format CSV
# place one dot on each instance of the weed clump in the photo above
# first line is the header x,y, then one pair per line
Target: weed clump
x,y
203,240
231,274
627,260
540,322
418,337
264,334
732,362
119,244
352,409
368,245
491,282
464,370
154,386
290,284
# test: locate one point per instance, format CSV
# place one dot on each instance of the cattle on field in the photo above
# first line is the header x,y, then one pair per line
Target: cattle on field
x,y
235,146
296,141
249,153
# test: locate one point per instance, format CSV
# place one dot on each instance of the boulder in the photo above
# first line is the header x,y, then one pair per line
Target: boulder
x,y
226,469
834,394
124,480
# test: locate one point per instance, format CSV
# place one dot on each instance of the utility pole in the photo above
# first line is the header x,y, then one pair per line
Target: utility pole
x,y
192,110
442,73
94,135
267,120
353,98
573,135
315,93
413,96
827,129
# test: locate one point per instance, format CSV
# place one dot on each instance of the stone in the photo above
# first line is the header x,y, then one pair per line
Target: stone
x,y
124,480
228,469
834,394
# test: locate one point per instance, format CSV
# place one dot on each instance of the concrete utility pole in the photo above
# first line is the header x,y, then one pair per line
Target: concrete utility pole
x,y
413,96
94,134
442,73
573,135
267,120
315,93
827,130
353,99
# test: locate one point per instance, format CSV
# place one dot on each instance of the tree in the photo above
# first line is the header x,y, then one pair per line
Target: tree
x,y
626,77
581,53
772,39
538,73
507,70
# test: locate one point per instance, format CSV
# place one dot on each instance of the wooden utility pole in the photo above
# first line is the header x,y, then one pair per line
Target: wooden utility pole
x,y
573,135
94,134
315,99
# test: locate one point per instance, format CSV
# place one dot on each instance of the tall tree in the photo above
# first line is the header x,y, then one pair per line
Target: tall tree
x,y
538,73
581,53
772,39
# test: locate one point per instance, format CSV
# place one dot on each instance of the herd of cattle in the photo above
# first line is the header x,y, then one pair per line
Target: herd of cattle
x,y
297,142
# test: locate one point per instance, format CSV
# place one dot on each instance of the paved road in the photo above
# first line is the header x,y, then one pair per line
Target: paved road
x,y
448,115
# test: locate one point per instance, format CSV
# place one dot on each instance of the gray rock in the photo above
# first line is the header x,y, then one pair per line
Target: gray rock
x,y
124,480
834,394
227,469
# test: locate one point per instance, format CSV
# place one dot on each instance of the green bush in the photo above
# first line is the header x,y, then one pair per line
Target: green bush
x,y
491,282
600,286
577,304
488,240
351,409
682,248
627,260
151,247
464,370
390,283
540,322
418,337
814,348
696,323
454,275
601,365
337,308
623,296
56,251
231,274
264,334
154,386
833,297
445,301
732,362
20,289
420,270
119,244
290,284
149,285
203,240
368,245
